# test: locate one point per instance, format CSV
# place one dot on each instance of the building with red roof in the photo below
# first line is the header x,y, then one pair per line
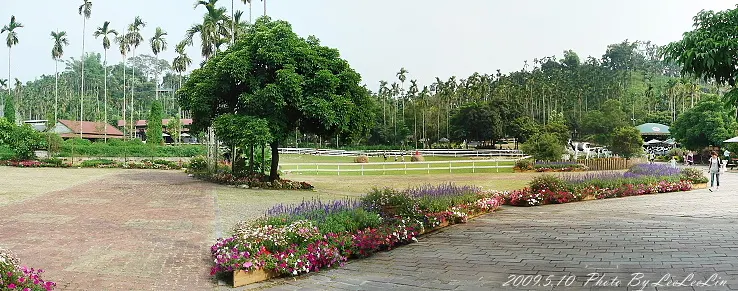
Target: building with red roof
x,y
86,129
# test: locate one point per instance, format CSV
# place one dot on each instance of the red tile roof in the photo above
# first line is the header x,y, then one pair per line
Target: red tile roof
x,y
85,135
143,123
89,127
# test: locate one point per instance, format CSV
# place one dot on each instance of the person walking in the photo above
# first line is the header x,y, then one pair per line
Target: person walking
x,y
714,165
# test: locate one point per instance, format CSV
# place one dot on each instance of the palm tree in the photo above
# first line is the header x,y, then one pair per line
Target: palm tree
x,y
60,41
158,44
250,9
11,40
104,31
134,39
265,7
85,10
124,47
211,29
402,76
180,64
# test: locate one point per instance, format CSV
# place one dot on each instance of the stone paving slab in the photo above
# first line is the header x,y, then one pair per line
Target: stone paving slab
x,y
589,245
133,230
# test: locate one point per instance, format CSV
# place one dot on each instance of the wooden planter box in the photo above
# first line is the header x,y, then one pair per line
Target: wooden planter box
x,y
242,278
588,197
699,186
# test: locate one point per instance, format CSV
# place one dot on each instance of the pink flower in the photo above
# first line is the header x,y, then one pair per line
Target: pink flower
x,y
11,286
247,265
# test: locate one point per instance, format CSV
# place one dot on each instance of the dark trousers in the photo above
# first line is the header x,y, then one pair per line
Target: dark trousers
x,y
714,178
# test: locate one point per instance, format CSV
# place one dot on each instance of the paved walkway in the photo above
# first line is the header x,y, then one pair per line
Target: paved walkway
x,y
674,234
132,230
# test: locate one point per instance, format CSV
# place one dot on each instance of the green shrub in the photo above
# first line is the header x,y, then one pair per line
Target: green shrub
x,y
96,163
52,161
198,164
389,202
693,175
548,182
524,164
544,147
348,221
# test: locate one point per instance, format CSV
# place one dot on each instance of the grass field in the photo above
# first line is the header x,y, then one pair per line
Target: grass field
x,y
377,166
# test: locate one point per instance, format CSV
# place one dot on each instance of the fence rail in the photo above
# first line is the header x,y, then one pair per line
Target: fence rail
x,y
395,167
425,152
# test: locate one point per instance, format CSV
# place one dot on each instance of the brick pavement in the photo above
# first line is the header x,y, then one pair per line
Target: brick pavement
x,y
133,230
666,234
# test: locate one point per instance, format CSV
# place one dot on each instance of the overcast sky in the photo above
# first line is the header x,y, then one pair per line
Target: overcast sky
x,y
428,37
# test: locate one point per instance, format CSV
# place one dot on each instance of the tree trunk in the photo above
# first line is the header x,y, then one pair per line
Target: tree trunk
x,y
274,173
82,95
251,160
56,91
105,99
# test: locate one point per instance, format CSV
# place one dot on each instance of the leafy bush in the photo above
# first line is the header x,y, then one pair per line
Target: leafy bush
x,y
693,175
53,162
389,202
361,159
417,158
524,164
21,140
547,182
198,164
544,147
131,148
97,163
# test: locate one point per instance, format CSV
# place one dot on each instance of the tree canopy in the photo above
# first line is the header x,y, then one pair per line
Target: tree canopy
x,y
708,123
291,82
709,51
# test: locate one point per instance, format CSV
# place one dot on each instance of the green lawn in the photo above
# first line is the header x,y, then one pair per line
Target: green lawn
x,y
377,166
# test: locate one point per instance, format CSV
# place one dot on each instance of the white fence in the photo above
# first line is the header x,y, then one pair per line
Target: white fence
x,y
424,152
396,167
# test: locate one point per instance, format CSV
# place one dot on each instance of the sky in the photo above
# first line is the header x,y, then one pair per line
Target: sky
x,y
427,37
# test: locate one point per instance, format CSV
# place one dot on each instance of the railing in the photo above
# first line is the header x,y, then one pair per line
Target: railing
x,y
399,167
424,152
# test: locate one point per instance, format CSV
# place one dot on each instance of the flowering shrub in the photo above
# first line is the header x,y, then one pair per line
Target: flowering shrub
x,y
255,181
693,175
530,197
525,197
16,277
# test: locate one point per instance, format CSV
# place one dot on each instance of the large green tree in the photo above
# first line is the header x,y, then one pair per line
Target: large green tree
x,y
709,51
708,123
291,82
627,142
477,122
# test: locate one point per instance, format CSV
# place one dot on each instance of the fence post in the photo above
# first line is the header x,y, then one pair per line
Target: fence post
x,y
497,166
383,169
449,166
405,168
362,169
339,170
428,168
473,170
298,169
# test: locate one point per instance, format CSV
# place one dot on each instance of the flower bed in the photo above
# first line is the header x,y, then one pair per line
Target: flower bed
x,y
295,239
638,180
527,165
16,277
256,181
96,163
